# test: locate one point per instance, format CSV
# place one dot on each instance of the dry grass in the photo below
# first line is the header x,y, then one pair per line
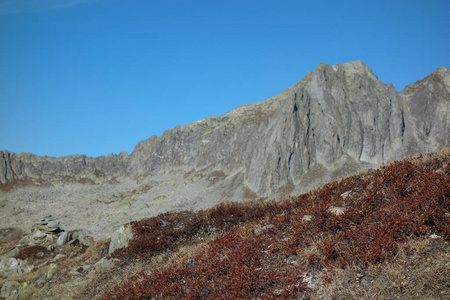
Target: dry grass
x,y
420,270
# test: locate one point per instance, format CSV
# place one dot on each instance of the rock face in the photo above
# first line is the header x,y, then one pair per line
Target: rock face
x,y
74,168
336,120
336,117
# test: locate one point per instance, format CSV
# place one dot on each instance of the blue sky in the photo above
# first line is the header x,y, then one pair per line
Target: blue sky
x,y
97,76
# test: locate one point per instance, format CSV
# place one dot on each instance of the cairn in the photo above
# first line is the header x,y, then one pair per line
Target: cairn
x,y
48,229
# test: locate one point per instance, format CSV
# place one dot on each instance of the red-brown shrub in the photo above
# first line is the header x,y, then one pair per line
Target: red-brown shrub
x,y
385,208
31,252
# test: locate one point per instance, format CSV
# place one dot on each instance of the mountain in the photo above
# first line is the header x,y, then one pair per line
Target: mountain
x,y
336,121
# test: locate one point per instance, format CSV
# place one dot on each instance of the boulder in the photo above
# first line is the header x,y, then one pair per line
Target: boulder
x,y
9,288
10,253
62,239
85,240
82,240
10,266
120,238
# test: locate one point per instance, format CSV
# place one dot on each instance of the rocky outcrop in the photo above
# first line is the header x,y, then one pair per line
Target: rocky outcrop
x,y
73,168
336,120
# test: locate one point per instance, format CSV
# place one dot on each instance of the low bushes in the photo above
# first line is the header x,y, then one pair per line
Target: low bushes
x,y
263,249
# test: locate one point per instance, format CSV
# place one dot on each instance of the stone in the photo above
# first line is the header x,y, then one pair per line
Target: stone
x,y
85,240
53,224
9,288
23,287
307,218
58,257
46,220
51,270
10,266
78,232
48,229
105,263
39,234
120,238
49,238
336,210
82,240
345,195
10,253
62,239
79,271
74,242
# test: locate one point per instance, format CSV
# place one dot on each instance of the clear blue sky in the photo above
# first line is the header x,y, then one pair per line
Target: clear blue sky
x,y
97,76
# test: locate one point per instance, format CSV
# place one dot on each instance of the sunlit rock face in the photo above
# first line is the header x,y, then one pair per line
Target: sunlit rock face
x,y
336,118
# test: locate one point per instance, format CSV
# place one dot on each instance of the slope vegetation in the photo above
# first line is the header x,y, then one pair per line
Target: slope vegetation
x,y
290,248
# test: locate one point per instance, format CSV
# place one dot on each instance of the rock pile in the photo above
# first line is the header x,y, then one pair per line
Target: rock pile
x,y
48,229
43,248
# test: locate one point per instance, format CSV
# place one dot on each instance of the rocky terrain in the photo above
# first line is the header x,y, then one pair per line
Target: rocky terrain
x,y
379,234
336,121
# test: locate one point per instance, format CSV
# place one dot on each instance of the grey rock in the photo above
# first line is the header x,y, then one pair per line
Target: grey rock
x,y
58,257
10,253
79,271
62,239
74,242
10,288
82,240
80,232
48,229
345,195
307,218
46,220
120,238
73,168
53,224
105,263
39,234
10,266
50,272
85,240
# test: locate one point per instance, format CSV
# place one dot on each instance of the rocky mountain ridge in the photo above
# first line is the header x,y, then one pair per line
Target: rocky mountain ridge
x,y
335,121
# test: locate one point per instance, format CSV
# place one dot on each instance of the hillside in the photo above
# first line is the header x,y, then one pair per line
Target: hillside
x,y
379,234
336,121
